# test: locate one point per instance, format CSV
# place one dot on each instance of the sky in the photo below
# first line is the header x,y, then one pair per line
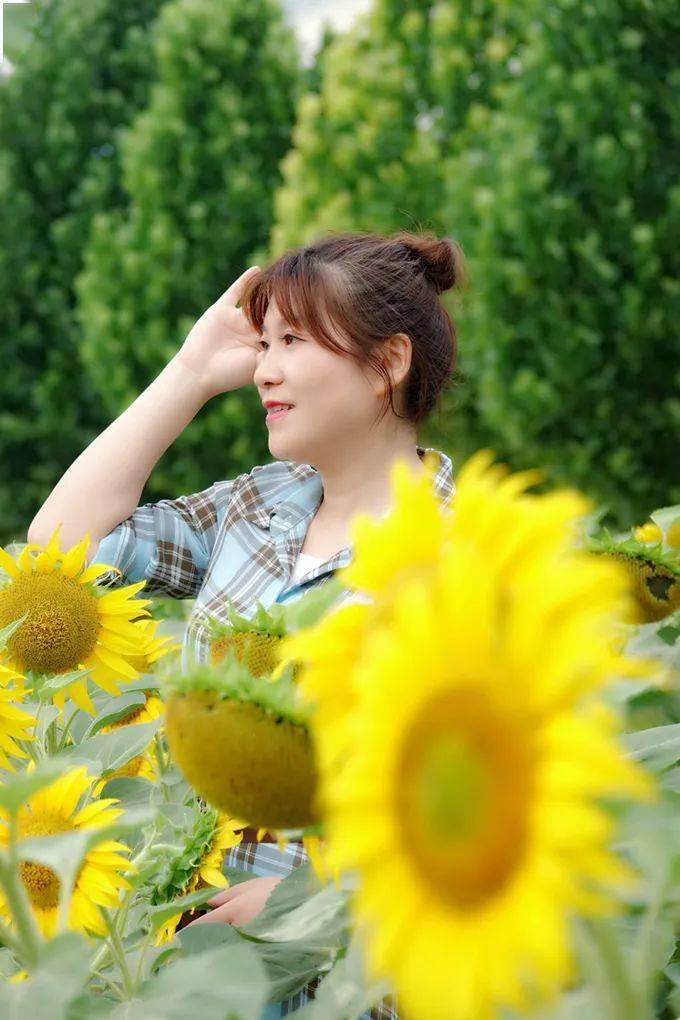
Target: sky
x,y
307,17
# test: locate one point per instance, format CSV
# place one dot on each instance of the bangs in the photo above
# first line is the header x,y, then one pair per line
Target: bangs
x,y
307,294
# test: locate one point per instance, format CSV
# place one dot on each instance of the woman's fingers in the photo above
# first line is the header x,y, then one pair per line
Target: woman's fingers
x,y
234,292
223,896
220,915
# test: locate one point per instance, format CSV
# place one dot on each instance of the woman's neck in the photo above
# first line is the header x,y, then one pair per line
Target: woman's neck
x,y
360,483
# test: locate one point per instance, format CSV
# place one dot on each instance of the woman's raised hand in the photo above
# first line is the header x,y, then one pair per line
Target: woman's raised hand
x,y
221,346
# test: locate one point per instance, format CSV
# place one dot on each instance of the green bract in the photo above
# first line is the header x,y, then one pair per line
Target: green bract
x,y
231,680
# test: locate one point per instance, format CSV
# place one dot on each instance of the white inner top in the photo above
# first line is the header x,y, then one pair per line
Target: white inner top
x,y
303,564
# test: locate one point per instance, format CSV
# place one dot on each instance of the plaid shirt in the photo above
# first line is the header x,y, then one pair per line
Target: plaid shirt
x,y
239,538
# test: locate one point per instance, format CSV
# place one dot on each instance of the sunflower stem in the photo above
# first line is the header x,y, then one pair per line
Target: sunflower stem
x,y
160,757
118,953
109,983
51,738
121,916
146,942
100,957
65,730
32,748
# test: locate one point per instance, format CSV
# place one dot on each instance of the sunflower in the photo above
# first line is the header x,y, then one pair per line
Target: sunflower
x,y
243,743
656,586
399,550
316,850
55,809
154,647
478,751
653,566
15,723
142,765
252,640
71,623
487,498
202,861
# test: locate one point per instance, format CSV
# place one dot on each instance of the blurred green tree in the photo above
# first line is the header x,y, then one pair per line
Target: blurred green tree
x,y
200,166
566,198
86,71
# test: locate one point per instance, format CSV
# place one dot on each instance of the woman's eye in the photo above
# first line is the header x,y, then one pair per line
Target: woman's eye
x,y
286,336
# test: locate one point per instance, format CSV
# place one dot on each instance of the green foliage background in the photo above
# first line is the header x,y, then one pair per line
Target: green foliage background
x,y
567,196
86,73
150,152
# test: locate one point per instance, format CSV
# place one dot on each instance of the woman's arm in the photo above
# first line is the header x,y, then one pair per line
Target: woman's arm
x,y
103,485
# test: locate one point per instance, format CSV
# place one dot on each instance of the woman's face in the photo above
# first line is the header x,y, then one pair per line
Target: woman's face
x,y
334,402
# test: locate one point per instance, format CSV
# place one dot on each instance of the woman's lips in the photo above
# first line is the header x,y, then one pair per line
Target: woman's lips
x,y
276,413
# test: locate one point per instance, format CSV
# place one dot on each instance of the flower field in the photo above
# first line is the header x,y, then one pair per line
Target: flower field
x,y
482,764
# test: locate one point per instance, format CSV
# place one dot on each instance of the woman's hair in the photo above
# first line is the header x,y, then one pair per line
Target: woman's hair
x,y
367,287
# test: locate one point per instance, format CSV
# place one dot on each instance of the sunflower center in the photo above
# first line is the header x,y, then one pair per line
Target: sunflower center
x,y
450,789
463,792
62,625
42,885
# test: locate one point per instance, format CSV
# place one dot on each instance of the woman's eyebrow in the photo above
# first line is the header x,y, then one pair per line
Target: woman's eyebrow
x,y
285,327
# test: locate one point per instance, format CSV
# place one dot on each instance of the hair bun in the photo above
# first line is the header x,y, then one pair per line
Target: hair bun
x,y
441,259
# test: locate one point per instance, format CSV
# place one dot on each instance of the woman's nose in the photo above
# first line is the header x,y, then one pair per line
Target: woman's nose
x,y
266,369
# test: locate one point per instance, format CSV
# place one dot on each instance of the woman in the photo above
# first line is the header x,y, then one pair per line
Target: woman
x,y
349,337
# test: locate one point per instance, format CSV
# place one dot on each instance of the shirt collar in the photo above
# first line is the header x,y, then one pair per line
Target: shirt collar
x,y
307,489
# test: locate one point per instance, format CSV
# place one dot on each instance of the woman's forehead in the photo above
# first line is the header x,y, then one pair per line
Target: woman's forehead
x,y
274,321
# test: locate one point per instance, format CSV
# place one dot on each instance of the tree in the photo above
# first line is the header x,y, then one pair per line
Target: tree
x,y
567,199
85,73
200,166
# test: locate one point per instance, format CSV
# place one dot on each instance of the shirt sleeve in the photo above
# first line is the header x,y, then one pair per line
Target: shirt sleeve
x,y
168,544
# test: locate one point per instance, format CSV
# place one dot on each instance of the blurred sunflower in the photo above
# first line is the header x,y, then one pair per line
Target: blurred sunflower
x,y
488,500
317,851
71,623
653,565
200,863
478,750
55,809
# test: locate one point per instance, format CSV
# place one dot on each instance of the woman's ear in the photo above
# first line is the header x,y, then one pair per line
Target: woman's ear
x,y
396,353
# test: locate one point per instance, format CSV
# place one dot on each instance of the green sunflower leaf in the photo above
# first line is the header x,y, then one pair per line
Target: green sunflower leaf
x,y
16,789
658,747
227,981
110,751
6,632
159,914
60,976
116,709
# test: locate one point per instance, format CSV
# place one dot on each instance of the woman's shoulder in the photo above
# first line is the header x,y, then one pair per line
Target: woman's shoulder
x,y
264,487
